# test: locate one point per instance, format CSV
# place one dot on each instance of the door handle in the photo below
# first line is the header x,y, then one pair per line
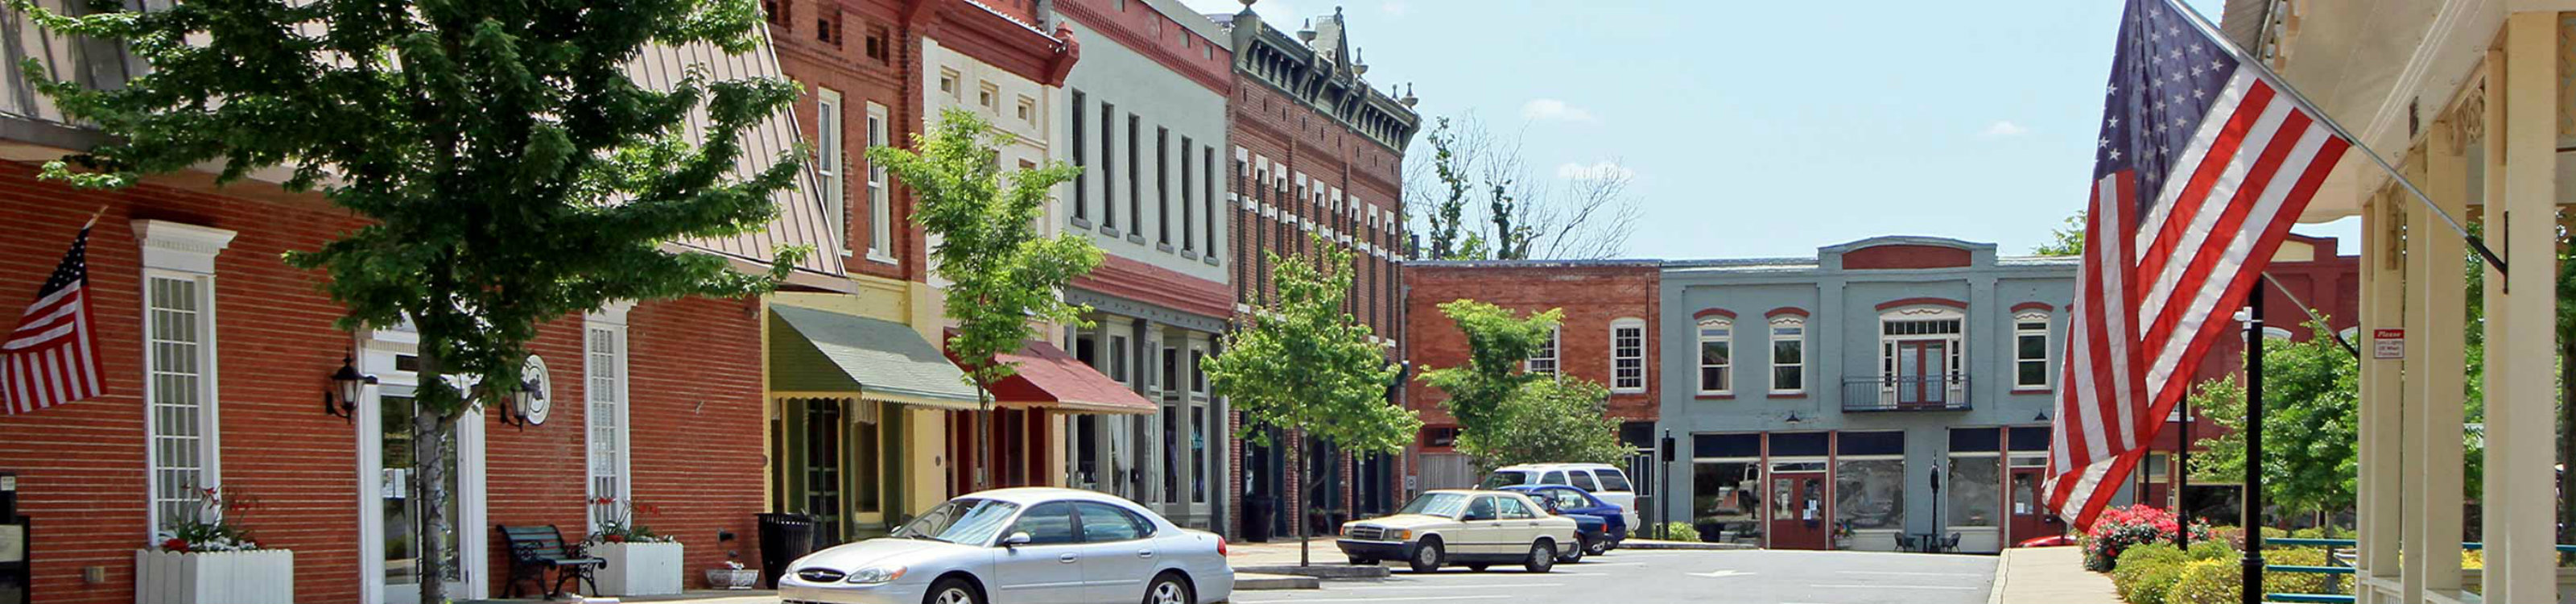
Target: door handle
x,y
1066,558
1144,553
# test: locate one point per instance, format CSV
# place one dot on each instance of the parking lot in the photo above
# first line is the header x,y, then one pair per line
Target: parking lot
x,y
1696,577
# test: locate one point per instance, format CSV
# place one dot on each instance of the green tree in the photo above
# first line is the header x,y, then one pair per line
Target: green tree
x,y
2311,391
1559,420
1498,342
1303,364
511,172
1005,279
2067,241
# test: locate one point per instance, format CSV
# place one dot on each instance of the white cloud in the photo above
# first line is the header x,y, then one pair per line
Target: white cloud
x,y
1552,109
1604,169
2003,128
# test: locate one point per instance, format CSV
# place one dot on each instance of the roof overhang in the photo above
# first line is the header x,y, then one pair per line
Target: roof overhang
x,y
820,351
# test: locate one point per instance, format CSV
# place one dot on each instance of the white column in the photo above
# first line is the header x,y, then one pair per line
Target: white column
x,y
2421,264
2492,217
2382,492
2520,430
2442,294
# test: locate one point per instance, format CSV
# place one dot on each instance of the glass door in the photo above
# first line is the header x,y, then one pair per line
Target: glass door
x,y
1922,368
403,507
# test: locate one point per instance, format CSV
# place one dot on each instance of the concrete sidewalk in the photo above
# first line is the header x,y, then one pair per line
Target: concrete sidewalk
x,y
2049,575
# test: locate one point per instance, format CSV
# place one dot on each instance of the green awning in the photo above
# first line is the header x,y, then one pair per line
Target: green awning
x,y
814,351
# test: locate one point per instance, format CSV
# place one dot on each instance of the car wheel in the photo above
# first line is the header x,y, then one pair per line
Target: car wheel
x,y
1363,561
1542,557
1426,557
952,590
1169,589
1601,546
1574,555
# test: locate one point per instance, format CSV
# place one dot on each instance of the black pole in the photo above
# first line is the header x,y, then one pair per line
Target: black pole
x,y
1666,449
2182,480
2253,499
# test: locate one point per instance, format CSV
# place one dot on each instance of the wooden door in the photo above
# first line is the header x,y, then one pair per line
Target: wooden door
x,y
2026,512
1798,511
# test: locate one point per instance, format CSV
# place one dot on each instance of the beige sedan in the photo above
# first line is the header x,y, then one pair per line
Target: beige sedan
x,y
1476,529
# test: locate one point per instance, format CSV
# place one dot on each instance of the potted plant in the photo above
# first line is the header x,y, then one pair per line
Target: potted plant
x,y
733,575
206,557
640,562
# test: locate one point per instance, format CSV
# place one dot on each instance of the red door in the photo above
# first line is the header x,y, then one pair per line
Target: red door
x,y
1798,511
1922,369
2028,513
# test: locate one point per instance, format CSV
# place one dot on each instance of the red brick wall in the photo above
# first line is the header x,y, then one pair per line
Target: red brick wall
x,y
1905,256
846,68
695,386
1592,297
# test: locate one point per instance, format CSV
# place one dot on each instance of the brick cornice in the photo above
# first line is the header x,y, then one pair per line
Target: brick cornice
x,y
1105,25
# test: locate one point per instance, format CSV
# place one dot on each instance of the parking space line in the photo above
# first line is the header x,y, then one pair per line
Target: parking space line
x,y
1493,586
1904,574
1848,586
1398,599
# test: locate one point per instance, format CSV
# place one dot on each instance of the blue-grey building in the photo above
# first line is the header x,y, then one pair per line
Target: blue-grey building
x,y
1815,400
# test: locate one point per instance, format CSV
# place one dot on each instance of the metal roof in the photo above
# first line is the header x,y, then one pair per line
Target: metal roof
x,y
801,218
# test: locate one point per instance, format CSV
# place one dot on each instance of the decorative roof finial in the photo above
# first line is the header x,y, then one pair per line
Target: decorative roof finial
x,y
1408,99
1307,32
1359,66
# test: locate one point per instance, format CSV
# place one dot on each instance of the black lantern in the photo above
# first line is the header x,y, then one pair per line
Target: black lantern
x,y
347,385
2043,416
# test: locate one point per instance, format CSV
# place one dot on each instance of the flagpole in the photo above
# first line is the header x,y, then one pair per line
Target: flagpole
x,y
2282,85
93,218
2252,512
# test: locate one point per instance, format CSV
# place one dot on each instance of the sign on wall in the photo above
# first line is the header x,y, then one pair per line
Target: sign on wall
x,y
2388,343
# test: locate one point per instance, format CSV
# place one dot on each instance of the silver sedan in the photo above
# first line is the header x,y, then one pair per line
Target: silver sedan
x,y
1021,546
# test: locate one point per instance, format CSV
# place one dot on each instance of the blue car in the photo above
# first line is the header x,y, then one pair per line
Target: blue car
x,y
1570,501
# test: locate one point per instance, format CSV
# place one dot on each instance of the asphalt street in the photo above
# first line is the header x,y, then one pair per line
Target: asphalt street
x,y
1677,577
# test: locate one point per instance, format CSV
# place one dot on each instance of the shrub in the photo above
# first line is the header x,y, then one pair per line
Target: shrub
x,y
2204,581
2147,572
2295,583
2118,529
2212,550
1680,531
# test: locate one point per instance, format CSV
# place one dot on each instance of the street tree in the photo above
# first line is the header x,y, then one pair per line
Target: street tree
x,y
1507,415
1499,341
1584,213
2068,241
1303,364
510,170
1006,279
2311,389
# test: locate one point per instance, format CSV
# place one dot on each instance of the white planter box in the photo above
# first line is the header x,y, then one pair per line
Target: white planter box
x,y
248,577
639,569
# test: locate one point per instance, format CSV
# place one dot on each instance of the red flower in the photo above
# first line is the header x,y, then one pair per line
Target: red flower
x,y
175,544
613,538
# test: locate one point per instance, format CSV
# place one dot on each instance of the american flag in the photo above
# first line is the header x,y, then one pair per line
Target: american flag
x,y
52,358
2199,171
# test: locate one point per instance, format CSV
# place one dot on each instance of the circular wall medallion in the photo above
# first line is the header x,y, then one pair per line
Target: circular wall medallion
x,y
536,391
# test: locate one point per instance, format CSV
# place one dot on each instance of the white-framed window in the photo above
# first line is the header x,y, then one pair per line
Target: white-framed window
x,y
948,83
880,197
1922,352
2030,350
829,172
1716,355
183,442
605,412
1628,355
1788,354
1544,361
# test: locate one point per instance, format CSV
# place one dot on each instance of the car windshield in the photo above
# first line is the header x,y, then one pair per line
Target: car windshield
x,y
1437,504
1613,481
968,521
1504,479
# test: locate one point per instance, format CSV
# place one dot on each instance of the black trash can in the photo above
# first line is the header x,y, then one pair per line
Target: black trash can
x,y
783,539
1258,514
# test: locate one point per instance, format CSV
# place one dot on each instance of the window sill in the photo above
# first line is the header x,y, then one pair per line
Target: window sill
x,y
1081,223
1714,397
1109,229
2032,390
1135,237
1163,247
1190,254
1638,390
880,258
1210,260
1795,394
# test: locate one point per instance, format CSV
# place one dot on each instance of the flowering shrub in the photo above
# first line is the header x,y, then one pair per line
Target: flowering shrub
x,y
211,528
622,525
2119,528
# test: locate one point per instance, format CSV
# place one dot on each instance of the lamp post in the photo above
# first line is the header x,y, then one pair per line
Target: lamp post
x,y
341,400
1931,542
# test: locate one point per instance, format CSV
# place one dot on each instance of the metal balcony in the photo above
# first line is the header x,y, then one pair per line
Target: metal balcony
x,y
1939,392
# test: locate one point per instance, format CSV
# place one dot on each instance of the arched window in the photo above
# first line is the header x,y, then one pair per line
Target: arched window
x,y
1628,355
1788,354
2030,350
1716,341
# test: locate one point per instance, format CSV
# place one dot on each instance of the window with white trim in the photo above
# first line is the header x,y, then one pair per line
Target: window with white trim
x,y
828,170
605,392
182,453
2030,350
1628,355
1544,360
1788,354
1716,339
880,198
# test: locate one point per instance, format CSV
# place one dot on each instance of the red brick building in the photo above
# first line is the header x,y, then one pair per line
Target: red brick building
x,y
214,353
1608,335
1318,156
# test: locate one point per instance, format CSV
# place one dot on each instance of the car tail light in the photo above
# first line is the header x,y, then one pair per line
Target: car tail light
x,y
1220,546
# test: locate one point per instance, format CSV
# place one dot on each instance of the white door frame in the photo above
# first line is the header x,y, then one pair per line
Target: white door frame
x,y
376,351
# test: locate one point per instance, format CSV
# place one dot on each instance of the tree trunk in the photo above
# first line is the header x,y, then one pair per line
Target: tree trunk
x,y
983,437
429,483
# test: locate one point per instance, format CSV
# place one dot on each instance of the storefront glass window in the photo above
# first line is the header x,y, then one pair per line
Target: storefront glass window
x,y
1870,493
1727,505
1971,490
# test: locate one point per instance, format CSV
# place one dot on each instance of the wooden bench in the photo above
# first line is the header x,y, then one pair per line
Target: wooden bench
x,y
536,549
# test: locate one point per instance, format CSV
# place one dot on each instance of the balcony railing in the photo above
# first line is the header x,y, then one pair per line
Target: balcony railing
x,y
1939,392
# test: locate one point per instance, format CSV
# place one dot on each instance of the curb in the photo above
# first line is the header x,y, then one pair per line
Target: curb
x,y
1682,545
1265,581
1318,571
2003,566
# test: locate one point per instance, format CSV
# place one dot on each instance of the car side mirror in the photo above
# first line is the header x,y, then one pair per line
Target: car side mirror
x,y
1016,539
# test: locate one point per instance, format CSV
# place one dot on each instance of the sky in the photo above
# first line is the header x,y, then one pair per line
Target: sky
x,y
1757,129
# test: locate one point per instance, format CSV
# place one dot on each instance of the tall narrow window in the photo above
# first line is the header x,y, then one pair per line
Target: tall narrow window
x,y
827,164
2030,350
880,195
606,414
1627,354
1544,361
1082,177
1189,210
1207,172
182,454
1716,355
1788,354
1135,192
1109,168
1163,187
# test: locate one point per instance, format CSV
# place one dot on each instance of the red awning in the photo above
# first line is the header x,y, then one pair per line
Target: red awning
x,y
1049,377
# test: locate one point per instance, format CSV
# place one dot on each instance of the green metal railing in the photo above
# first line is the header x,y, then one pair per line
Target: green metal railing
x,y
2333,568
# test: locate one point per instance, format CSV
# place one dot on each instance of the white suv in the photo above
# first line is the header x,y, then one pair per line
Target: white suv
x,y
1602,480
